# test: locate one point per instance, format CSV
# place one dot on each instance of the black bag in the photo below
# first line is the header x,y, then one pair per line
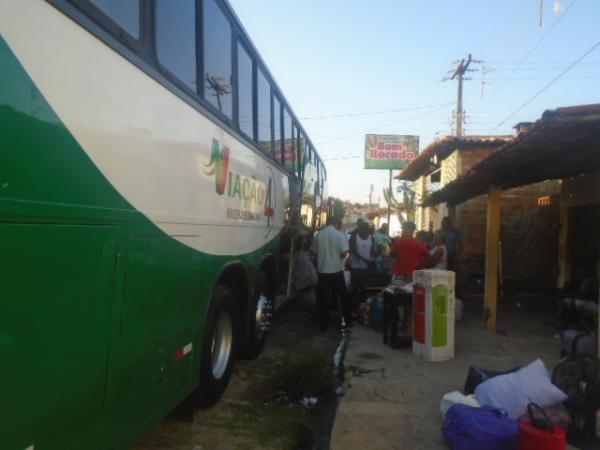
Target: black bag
x,y
478,375
577,376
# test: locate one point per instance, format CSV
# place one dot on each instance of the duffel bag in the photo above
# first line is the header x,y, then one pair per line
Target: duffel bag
x,y
469,428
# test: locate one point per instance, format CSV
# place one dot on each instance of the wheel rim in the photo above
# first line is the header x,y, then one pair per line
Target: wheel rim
x,y
222,341
263,316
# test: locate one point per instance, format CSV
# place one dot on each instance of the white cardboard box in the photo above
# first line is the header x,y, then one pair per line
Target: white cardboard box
x,y
433,314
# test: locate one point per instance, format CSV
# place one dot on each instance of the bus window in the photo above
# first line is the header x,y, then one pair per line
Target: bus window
x,y
264,113
301,152
245,92
176,39
277,128
288,155
293,158
125,13
217,58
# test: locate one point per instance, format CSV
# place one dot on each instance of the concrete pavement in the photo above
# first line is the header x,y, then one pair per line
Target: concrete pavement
x,y
392,398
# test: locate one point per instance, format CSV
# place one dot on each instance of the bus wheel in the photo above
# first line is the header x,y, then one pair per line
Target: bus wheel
x,y
259,317
218,346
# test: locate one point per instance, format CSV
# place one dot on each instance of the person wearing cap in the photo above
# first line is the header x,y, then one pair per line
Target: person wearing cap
x,y
409,251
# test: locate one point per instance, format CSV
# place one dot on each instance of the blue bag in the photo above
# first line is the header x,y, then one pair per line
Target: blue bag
x,y
469,428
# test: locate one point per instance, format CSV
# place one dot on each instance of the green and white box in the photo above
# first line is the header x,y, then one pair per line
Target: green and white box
x,y
433,315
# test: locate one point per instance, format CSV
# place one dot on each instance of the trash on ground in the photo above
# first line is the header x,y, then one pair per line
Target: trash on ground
x,y
309,402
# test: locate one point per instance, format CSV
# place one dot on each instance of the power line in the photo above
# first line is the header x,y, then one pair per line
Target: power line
x,y
554,80
382,126
535,47
373,113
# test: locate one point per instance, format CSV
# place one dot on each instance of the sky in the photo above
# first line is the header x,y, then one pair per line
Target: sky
x,y
351,67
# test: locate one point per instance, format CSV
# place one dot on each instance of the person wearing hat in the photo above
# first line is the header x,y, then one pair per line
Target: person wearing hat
x,y
409,251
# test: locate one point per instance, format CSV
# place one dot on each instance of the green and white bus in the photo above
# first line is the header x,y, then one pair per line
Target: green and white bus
x,y
151,175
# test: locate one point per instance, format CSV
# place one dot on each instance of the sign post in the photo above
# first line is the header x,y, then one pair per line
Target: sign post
x,y
389,204
390,151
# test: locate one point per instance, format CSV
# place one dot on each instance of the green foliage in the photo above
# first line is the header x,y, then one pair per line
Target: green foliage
x,y
339,210
305,373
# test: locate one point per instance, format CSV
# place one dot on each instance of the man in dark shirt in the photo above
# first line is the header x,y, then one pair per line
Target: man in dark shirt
x,y
453,243
410,252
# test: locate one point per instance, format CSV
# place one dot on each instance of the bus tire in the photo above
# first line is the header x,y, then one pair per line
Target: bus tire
x,y
219,346
259,317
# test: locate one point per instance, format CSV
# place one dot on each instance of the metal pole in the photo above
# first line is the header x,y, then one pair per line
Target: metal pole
x,y
459,105
389,203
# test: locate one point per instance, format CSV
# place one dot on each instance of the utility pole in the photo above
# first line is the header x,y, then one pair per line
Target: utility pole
x,y
371,197
459,73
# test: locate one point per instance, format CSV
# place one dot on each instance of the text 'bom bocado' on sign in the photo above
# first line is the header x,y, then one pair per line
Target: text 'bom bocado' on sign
x,y
390,151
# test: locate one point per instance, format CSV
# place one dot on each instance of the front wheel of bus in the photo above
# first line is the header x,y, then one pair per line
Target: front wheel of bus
x,y
259,317
218,346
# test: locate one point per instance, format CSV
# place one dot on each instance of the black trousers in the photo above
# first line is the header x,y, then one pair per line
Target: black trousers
x,y
333,284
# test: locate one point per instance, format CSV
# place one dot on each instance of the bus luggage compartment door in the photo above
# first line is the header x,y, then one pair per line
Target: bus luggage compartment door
x,y
56,286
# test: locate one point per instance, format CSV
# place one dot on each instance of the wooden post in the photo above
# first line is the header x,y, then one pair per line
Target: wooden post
x,y
564,248
491,258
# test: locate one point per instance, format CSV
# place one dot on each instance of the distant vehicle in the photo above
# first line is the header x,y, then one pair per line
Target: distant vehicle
x,y
151,176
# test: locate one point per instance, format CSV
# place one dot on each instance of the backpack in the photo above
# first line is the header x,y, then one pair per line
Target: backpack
x,y
577,376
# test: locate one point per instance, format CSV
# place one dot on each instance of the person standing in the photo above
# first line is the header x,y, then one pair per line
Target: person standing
x,y
438,257
409,251
362,249
332,248
454,246
382,248
453,243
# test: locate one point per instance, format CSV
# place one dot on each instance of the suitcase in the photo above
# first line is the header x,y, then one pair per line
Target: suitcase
x,y
391,335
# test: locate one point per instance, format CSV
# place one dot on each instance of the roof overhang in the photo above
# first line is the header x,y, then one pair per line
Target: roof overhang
x,y
429,159
563,143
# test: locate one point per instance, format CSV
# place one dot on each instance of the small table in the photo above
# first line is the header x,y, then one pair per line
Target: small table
x,y
394,296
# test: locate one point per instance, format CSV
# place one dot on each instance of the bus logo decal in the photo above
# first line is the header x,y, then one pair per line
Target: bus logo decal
x,y
218,165
257,198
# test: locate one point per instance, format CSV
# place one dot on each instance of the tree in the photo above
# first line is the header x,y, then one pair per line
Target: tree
x,y
409,199
339,210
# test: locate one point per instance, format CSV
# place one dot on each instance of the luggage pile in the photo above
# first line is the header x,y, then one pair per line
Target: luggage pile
x,y
528,408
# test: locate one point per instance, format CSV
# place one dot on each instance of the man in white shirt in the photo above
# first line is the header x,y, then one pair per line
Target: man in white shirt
x,y
331,247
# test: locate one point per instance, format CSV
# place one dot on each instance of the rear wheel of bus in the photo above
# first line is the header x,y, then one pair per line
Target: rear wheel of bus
x,y
259,317
218,346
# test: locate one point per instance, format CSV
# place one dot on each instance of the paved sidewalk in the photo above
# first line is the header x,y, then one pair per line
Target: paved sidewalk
x,y
392,399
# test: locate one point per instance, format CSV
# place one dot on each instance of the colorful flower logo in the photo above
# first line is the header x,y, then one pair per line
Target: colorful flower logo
x,y
218,165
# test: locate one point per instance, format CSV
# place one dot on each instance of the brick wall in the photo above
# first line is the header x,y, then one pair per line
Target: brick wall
x,y
529,237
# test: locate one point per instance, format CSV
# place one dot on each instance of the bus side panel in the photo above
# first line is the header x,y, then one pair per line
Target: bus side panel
x,y
163,310
56,285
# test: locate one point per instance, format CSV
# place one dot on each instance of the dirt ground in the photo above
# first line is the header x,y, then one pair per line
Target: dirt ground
x,y
254,411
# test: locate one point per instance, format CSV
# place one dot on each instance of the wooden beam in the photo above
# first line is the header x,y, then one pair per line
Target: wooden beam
x,y
564,247
492,239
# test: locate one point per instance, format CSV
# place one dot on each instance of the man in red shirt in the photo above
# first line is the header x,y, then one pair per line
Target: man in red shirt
x,y
410,252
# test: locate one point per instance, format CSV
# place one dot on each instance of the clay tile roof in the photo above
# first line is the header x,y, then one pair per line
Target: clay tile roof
x,y
563,143
443,147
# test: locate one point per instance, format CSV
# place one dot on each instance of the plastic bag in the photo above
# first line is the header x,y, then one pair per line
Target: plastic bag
x,y
456,398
